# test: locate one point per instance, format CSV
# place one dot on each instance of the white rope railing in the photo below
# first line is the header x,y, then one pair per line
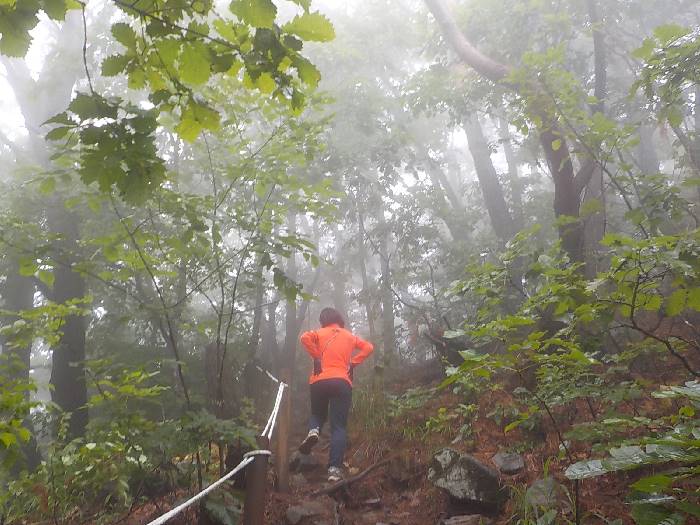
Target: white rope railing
x,y
248,458
269,427
267,373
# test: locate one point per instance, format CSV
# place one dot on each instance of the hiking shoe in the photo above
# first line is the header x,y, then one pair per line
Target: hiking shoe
x,y
334,474
309,442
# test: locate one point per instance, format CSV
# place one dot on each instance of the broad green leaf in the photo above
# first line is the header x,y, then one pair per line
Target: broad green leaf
x,y
114,65
8,439
308,73
56,9
195,118
27,267
58,133
694,299
311,26
125,35
91,107
646,51
195,63
266,83
14,33
47,186
47,277
675,116
676,302
648,514
258,13
586,469
670,32
655,483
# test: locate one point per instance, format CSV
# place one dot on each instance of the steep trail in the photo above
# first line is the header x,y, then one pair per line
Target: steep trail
x,y
396,491
429,420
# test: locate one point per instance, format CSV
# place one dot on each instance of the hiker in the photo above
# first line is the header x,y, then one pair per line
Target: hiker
x,y
331,348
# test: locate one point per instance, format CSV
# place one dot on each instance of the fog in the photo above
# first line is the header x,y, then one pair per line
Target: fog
x,y
470,184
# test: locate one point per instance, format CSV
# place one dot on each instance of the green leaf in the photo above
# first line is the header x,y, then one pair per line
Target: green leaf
x,y
311,26
258,13
27,267
694,299
266,83
308,73
586,469
674,116
58,133
578,355
646,51
91,106
657,483
56,9
670,32
47,186
8,439
556,145
195,118
14,32
676,302
47,277
125,35
195,63
649,514
114,65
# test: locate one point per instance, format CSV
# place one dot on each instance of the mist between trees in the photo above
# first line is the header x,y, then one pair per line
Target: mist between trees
x,y
509,189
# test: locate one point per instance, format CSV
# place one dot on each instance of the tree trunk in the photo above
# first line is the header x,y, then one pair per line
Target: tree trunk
x,y
567,201
365,294
287,373
594,223
254,340
495,202
516,186
448,212
567,185
387,294
17,295
338,276
68,371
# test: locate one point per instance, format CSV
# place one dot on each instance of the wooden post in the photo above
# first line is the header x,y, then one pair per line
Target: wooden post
x,y
283,431
256,482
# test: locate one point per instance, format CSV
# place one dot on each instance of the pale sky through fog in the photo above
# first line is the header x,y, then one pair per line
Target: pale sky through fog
x,y
11,122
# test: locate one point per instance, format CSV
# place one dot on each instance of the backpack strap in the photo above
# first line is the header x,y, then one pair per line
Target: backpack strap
x,y
317,362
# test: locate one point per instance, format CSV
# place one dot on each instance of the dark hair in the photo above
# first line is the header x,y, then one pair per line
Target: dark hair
x,y
331,316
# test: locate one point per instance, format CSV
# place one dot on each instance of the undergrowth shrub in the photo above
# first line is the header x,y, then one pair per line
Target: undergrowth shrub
x,y
124,458
568,346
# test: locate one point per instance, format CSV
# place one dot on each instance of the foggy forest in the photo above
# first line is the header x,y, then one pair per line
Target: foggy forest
x,y
316,262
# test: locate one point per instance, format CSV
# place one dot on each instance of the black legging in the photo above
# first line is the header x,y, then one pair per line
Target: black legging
x,y
338,394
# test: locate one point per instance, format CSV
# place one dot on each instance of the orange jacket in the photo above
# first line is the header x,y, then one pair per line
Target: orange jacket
x,y
333,346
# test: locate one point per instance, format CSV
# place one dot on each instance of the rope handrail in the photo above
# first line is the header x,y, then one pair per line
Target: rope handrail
x,y
268,373
248,458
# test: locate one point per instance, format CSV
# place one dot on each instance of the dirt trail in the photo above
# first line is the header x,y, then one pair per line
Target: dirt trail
x,y
396,492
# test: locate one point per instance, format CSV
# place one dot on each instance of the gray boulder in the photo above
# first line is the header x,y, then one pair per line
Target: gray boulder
x,y
303,462
467,480
544,493
307,509
508,462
